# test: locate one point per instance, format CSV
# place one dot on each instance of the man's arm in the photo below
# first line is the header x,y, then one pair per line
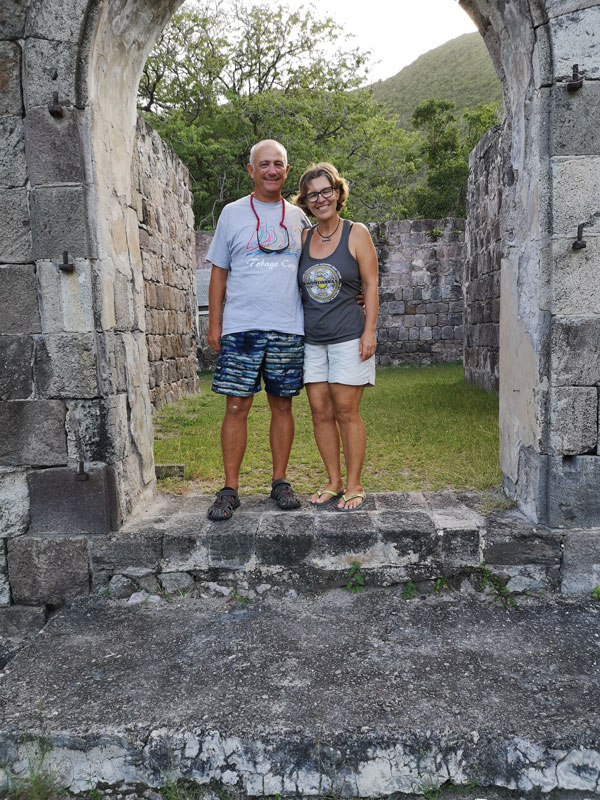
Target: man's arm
x,y
216,296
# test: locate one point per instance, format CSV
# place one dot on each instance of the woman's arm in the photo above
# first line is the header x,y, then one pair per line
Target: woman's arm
x,y
362,248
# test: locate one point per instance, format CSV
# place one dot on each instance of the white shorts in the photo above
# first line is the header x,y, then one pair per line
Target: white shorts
x,y
338,363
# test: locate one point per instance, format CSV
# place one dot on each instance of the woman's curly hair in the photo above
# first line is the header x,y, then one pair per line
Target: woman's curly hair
x,y
326,170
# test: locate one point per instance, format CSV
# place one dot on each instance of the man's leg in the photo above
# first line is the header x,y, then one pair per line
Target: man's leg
x,y
234,435
281,433
236,376
282,373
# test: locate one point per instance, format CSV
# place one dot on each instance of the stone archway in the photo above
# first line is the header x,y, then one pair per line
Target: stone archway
x,y
76,393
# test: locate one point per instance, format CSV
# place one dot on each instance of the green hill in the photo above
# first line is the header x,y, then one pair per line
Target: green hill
x,y
460,70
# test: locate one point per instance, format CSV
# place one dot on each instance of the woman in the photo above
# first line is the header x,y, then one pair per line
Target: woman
x,y
338,260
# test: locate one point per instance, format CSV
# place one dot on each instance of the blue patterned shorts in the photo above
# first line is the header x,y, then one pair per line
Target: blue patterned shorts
x,y
244,357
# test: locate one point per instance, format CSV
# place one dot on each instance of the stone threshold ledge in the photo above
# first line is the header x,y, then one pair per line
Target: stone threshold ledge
x,y
338,695
416,537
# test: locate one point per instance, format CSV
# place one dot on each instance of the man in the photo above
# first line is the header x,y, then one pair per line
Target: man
x,y
254,255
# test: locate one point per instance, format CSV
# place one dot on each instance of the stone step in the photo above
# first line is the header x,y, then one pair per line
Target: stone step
x,y
340,695
399,538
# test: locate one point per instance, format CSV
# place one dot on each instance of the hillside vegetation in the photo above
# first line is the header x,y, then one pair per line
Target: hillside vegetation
x,y
460,71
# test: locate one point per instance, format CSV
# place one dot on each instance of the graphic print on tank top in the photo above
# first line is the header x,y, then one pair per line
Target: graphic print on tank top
x,y
323,282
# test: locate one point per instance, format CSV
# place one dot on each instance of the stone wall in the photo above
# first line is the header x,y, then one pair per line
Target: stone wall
x,y
207,358
161,188
420,293
482,263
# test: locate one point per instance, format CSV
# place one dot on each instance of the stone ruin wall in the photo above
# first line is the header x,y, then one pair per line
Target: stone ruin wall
x,y
161,187
207,358
420,294
482,262
420,291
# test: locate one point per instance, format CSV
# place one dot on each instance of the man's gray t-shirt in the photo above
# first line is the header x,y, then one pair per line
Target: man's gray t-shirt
x,y
262,288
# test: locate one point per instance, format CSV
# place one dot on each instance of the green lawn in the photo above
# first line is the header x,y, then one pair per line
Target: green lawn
x,y
426,429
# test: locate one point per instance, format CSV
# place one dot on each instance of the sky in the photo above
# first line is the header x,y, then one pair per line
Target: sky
x,y
397,31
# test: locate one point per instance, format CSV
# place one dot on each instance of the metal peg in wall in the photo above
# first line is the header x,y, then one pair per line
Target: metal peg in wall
x,y
65,265
580,242
55,107
577,80
81,474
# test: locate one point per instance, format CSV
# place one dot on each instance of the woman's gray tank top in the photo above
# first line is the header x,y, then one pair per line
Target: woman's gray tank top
x,y
329,287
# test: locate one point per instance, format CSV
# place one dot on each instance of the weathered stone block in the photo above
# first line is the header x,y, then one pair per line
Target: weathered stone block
x,y
59,222
574,361
336,534
511,541
581,561
121,587
11,101
61,22
19,311
59,503
576,33
14,502
18,626
66,302
576,189
126,553
48,67
575,129
48,570
65,366
33,433
575,278
13,171
15,227
97,429
412,534
283,540
4,584
185,551
573,497
176,581
394,524
12,18
53,148
460,547
573,420
16,378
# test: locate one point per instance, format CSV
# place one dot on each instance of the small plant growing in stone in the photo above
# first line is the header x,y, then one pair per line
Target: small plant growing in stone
x,y
236,597
39,783
439,585
356,582
409,592
436,233
596,593
495,589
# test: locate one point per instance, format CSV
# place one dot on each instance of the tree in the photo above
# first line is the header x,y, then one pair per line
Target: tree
x,y
445,149
223,75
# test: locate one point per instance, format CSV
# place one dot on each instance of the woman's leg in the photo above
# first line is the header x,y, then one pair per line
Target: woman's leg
x,y
326,436
346,402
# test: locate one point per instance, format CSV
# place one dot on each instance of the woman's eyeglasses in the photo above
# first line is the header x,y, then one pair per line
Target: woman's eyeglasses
x,y
261,247
325,193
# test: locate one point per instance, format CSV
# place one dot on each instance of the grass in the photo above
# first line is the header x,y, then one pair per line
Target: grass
x,y
426,430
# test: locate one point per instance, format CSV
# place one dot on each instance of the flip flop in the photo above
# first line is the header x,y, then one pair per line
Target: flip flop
x,y
362,495
334,496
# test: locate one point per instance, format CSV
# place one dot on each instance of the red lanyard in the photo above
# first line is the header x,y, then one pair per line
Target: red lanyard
x,y
256,215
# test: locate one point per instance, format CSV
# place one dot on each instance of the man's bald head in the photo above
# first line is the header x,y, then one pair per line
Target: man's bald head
x,y
267,143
